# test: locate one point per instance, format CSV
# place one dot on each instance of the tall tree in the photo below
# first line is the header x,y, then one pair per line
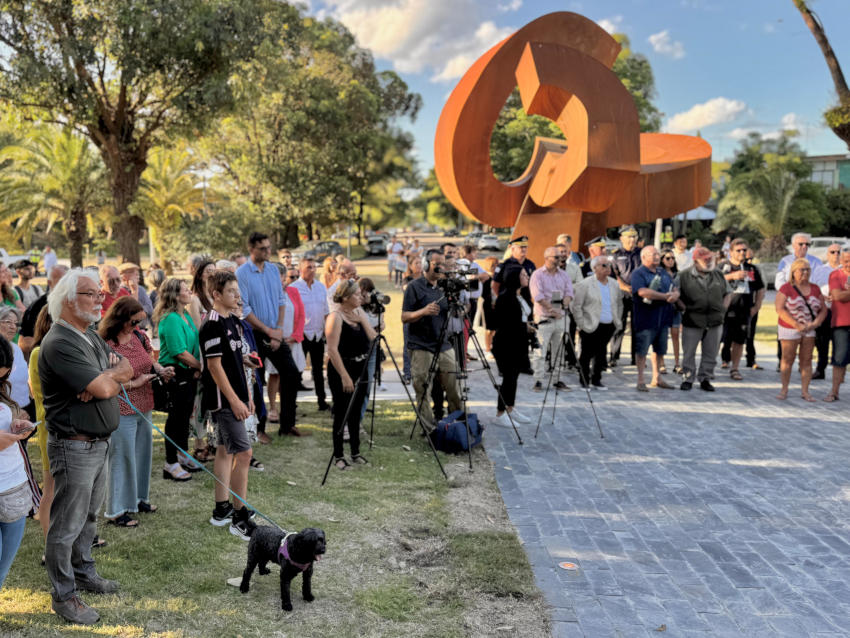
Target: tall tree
x,y
837,117
129,74
52,176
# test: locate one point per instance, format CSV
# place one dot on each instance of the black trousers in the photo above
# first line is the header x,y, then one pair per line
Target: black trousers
x,y
823,335
617,339
341,399
751,341
316,351
181,399
289,381
593,347
510,368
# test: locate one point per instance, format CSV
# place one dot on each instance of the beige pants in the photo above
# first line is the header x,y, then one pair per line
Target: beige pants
x,y
549,335
420,362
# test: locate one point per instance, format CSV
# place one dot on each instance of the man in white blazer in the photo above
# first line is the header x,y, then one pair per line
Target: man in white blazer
x,y
598,310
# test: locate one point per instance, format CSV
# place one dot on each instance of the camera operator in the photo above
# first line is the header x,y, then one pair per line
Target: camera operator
x,y
425,309
374,304
552,291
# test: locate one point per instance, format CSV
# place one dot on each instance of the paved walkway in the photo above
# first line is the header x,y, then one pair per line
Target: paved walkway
x,y
699,514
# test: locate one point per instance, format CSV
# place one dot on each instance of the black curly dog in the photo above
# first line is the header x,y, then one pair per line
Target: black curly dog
x,y
294,553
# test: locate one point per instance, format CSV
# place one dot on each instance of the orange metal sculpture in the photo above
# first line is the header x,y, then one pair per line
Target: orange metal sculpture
x,y
605,174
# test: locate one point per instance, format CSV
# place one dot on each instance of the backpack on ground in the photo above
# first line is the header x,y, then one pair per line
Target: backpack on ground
x,y
450,435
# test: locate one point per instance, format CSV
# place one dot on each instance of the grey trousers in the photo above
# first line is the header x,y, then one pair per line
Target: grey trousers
x,y
80,470
710,340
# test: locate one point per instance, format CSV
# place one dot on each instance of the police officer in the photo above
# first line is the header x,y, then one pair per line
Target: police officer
x,y
519,250
595,247
625,260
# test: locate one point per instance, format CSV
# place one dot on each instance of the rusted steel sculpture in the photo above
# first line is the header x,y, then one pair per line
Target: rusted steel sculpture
x,y
605,174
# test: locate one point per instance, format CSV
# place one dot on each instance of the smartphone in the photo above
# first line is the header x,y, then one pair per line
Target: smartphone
x,y
255,359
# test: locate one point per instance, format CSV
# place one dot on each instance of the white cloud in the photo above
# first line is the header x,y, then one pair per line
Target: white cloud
x,y
714,111
445,36
513,5
788,122
665,45
613,24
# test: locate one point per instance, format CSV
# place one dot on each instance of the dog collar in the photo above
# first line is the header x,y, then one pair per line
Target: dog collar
x,y
284,551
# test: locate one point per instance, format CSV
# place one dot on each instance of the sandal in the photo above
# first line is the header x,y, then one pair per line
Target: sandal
x,y
147,508
808,397
662,370
359,459
342,464
736,375
274,417
724,365
756,366
97,542
830,398
256,465
678,370
175,472
125,520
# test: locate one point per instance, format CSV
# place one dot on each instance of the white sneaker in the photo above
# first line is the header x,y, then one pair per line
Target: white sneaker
x,y
489,356
503,420
519,417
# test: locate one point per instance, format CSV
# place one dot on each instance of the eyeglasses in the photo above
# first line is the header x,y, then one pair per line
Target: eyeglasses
x,y
93,295
668,257
136,322
805,243
11,322
833,252
114,280
740,250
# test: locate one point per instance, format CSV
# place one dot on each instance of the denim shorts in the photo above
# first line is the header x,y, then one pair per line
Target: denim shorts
x,y
841,346
655,337
677,319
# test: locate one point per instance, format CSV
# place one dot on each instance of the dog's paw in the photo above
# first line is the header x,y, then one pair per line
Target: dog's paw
x,y
309,598
287,606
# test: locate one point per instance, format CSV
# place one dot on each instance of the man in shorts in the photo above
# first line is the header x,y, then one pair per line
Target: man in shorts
x,y
225,395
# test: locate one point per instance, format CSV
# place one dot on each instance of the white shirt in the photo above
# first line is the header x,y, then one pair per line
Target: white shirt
x,y
334,306
19,378
50,260
475,294
12,472
315,299
784,268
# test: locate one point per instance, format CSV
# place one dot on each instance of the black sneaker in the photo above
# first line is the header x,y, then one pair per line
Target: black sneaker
x,y
819,374
599,386
242,528
686,385
705,384
560,385
537,387
222,515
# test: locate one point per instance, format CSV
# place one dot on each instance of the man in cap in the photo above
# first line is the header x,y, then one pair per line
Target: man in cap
x,y
595,248
625,260
26,291
519,249
706,295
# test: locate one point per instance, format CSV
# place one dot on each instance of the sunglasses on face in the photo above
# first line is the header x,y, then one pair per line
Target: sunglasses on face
x,y
834,252
805,243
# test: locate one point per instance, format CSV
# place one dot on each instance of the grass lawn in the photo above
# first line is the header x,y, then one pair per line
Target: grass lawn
x,y
407,555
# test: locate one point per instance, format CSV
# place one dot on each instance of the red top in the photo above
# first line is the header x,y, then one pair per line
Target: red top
x,y
796,306
108,299
840,309
140,358
298,319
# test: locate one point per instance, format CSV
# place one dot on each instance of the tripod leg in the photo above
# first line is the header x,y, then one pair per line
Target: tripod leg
x,y
558,353
587,390
413,405
328,468
460,373
430,378
375,382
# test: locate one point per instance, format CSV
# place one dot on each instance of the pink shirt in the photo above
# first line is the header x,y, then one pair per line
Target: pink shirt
x,y
543,284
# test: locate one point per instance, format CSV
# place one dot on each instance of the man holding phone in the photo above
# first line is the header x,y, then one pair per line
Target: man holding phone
x,y
226,396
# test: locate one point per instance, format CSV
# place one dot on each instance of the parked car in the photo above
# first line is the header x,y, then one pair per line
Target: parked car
x,y
451,232
320,250
820,244
376,246
489,242
9,260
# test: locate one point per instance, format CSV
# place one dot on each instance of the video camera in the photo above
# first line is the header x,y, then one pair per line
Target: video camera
x,y
376,302
464,276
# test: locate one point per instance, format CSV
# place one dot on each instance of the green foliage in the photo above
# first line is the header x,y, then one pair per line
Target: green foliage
x,y
438,210
393,601
837,218
635,73
484,556
838,116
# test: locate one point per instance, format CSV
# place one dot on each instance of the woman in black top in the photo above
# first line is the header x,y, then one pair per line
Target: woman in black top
x,y
349,336
510,343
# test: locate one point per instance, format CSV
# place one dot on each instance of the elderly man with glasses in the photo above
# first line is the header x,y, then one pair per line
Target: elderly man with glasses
x,y
110,282
748,292
598,310
823,335
81,378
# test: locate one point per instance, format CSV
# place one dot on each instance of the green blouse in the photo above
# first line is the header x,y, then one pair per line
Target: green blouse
x,y
177,334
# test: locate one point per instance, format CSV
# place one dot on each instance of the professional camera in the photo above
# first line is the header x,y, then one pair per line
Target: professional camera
x,y
376,302
452,285
467,271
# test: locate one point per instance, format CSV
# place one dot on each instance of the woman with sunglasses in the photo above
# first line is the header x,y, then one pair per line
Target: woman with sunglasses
x,y
801,309
668,262
10,322
131,445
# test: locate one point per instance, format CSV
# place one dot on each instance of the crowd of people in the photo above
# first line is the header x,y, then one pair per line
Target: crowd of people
x,y
84,363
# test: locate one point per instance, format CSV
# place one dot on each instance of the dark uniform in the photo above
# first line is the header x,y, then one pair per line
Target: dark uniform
x,y
624,263
509,264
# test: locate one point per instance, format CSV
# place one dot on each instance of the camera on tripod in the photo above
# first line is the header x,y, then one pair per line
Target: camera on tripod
x,y
376,303
463,277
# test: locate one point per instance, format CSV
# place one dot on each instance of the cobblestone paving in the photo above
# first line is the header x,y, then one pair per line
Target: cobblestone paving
x,y
699,514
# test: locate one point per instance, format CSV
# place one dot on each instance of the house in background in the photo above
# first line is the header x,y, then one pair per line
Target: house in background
x,y
833,171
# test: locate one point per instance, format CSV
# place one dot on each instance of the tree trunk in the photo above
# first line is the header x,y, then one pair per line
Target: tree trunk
x,y
815,26
77,235
359,223
773,247
309,230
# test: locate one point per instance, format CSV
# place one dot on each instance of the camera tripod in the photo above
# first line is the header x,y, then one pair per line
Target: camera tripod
x,y
456,311
557,368
374,349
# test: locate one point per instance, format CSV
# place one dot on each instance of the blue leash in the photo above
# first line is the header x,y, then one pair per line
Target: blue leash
x,y
126,399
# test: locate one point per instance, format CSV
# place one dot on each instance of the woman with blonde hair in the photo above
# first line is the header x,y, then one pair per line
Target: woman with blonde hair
x,y
801,309
329,266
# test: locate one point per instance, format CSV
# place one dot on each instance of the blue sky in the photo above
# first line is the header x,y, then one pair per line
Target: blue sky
x,y
724,67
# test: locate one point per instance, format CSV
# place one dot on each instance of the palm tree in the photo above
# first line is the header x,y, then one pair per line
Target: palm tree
x,y
760,200
168,192
838,117
51,176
